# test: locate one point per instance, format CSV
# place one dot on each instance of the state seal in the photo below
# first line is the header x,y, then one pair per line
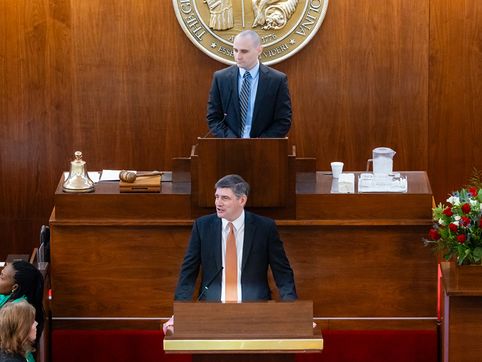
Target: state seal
x,y
284,26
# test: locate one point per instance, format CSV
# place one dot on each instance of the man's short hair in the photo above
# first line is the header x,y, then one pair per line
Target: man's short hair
x,y
252,35
236,183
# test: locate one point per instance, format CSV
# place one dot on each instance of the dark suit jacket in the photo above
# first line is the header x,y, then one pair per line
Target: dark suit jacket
x,y
262,248
272,106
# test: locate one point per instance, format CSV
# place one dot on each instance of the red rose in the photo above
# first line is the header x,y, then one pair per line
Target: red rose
x,y
466,208
434,235
473,191
448,211
461,238
453,227
480,223
464,220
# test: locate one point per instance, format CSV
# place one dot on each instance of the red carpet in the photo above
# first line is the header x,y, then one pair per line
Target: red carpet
x,y
376,346
340,346
110,345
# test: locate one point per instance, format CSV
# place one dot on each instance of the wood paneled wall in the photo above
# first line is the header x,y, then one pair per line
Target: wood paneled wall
x,y
120,81
455,89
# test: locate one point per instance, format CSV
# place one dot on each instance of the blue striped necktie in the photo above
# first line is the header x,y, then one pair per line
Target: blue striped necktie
x,y
244,99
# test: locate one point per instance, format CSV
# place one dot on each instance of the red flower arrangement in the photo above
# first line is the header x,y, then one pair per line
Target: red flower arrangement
x,y
457,228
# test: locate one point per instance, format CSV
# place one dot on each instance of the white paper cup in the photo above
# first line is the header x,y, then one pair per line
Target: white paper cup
x,y
336,169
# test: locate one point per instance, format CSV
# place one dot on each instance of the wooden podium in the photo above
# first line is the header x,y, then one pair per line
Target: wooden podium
x,y
266,164
461,304
253,331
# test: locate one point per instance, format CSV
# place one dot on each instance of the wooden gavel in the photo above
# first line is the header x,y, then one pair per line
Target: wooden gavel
x,y
130,177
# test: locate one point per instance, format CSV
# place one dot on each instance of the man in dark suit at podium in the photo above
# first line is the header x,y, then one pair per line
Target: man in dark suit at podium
x,y
257,246
249,99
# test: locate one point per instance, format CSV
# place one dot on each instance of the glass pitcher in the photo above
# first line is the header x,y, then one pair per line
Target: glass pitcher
x,y
382,161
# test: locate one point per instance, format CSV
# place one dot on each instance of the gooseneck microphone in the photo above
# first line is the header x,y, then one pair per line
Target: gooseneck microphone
x,y
208,284
221,106
217,125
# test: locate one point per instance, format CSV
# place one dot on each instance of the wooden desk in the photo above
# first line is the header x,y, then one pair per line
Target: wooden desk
x,y
461,314
359,257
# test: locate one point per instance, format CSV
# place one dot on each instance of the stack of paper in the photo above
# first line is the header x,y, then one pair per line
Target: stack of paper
x,y
344,184
373,183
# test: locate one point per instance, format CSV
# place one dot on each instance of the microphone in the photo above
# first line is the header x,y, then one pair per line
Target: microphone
x,y
216,126
224,106
208,284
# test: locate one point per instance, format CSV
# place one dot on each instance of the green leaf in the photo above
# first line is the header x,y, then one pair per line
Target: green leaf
x,y
478,252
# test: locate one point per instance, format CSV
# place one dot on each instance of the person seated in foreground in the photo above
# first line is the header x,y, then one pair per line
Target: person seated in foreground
x,y
18,330
21,280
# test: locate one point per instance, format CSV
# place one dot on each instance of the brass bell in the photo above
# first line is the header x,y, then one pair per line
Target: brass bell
x,y
78,180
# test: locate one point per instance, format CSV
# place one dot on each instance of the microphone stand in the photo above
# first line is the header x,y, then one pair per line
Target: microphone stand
x,y
208,284
216,126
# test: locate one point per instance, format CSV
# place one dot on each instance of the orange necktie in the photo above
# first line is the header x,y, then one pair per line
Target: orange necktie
x,y
231,285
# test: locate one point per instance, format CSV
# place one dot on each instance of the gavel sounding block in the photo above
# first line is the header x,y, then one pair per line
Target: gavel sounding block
x,y
142,184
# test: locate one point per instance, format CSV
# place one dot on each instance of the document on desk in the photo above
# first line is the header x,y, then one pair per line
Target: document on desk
x,y
111,175
344,184
371,183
